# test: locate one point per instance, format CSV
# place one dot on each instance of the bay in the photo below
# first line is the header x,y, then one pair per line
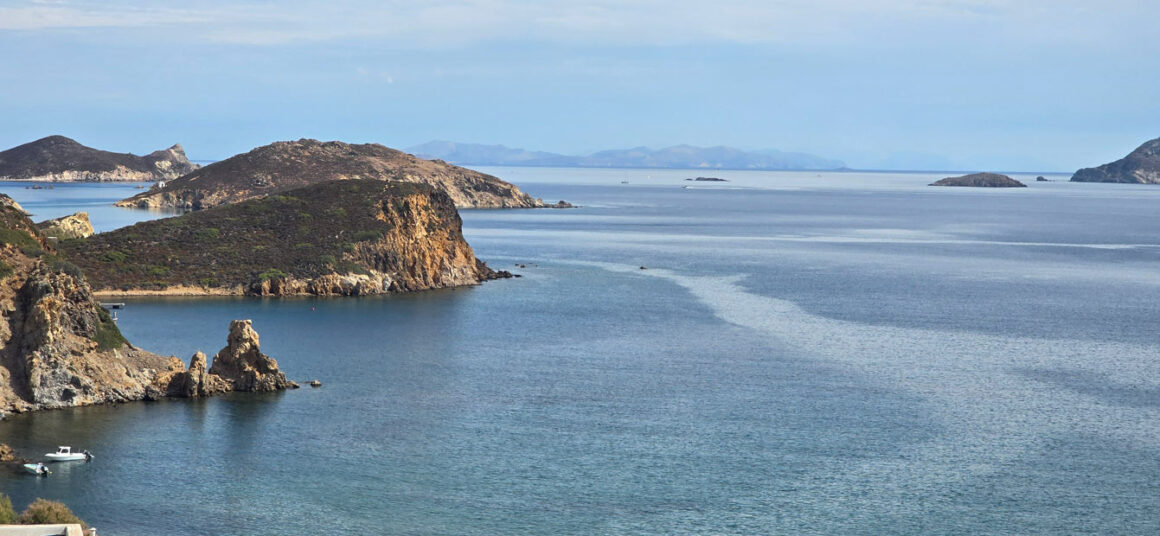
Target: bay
x,y
825,353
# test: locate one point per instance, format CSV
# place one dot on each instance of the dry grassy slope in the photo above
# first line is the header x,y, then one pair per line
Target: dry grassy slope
x,y
288,165
352,237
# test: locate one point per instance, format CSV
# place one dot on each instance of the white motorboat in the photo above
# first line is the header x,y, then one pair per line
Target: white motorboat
x,y
38,469
65,454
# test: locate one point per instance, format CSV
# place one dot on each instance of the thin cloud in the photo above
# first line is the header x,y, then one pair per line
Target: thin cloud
x,y
455,23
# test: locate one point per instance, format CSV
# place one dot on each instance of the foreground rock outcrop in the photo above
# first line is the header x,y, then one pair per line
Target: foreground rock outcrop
x,y
66,227
59,347
57,158
1141,166
981,180
288,165
349,238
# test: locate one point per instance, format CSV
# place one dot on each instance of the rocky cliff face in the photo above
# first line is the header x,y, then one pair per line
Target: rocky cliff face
x,y
288,165
71,226
353,237
59,347
1141,166
57,158
981,180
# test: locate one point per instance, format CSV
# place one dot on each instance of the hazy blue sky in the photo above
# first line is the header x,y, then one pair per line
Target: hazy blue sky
x,y
960,84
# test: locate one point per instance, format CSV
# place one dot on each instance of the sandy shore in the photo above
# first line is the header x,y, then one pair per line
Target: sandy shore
x,y
178,290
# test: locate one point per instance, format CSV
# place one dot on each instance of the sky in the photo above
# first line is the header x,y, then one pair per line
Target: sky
x,y
1003,85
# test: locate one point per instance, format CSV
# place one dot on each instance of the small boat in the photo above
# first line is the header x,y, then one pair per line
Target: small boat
x,y
38,469
65,454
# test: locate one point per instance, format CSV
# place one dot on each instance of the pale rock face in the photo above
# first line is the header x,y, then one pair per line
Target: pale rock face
x,y
72,226
242,364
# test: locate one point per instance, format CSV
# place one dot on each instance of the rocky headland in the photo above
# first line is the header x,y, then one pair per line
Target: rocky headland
x,y
57,158
348,238
1141,166
981,180
287,165
71,226
59,348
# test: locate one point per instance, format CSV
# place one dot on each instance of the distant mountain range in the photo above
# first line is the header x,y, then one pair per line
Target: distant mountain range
x,y
676,157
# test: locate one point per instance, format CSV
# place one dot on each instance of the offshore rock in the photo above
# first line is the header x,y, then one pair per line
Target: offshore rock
x,y
57,158
71,226
196,382
1141,166
288,165
981,180
242,364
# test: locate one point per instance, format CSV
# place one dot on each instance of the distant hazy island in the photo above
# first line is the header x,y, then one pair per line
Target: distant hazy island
x,y
57,158
676,157
1141,166
981,180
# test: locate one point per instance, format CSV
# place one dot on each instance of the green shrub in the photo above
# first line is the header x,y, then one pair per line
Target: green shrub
x,y
367,236
108,335
65,267
158,271
45,512
351,268
5,270
209,233
7,514
272,273
114,257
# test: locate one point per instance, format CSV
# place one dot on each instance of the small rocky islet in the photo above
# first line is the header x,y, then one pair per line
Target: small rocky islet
x,y
980,180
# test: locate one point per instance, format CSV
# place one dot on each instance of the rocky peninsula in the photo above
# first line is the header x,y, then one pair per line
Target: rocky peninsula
x,y
981,180
287,165
59,348
348,238
1141,166
57,158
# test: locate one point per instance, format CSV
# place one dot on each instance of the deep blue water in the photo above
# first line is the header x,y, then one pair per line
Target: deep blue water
x,y
833,353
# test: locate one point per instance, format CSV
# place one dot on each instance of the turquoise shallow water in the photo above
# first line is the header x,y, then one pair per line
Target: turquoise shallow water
x,y
834,354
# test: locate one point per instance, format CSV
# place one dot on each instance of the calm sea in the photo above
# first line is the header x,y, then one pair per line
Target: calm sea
x,y
805,353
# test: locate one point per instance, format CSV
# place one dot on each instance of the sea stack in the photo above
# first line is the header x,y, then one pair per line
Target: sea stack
x,y
1141,166
981,180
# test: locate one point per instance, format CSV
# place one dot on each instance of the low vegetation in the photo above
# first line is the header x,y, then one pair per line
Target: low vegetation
x,y
40,512
46,512
303,233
